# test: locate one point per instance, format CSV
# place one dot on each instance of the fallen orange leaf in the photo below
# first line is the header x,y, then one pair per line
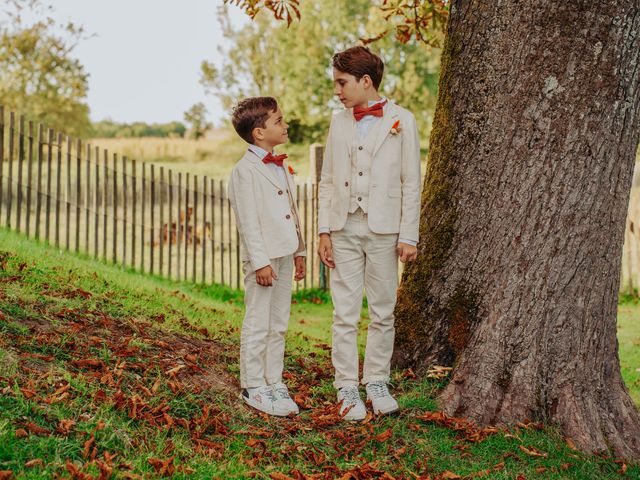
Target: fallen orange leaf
x,y
532,451
279,476
450,475
384,436
37,429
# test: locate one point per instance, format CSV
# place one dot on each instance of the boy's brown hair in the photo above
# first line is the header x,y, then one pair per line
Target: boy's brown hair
x,y
252,113
360,61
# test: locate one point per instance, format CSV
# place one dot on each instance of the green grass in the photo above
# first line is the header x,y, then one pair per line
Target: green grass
x,y
127,413
629,347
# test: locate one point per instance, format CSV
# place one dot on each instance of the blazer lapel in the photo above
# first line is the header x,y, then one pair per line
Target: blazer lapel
x,y
263,169
349,130
389,118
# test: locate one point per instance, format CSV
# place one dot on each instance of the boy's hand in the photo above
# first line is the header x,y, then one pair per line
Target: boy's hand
x,y
265,276
301,268
406,252
325,250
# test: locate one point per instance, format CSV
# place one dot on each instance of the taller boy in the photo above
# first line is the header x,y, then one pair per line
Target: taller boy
x,y
369,205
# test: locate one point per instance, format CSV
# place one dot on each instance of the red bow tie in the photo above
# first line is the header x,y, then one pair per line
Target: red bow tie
x,y
375,110
277,159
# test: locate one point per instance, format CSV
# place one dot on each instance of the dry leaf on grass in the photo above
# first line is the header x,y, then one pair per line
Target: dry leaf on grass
x,y
532,451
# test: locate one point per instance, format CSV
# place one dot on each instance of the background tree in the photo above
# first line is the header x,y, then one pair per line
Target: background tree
x,y
294,64
38,75
530,166
196,117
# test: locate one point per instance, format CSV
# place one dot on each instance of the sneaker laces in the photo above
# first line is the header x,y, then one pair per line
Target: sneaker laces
x,y
350,395
269,393
378,390
282,390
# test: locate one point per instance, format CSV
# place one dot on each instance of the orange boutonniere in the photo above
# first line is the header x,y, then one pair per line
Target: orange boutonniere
x,y
291,170
395,128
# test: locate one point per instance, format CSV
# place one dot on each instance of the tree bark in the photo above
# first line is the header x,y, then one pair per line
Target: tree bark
x,y
527,187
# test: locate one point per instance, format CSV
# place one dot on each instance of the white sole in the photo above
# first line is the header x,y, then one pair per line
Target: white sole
x,y
257,406
383,412
389,412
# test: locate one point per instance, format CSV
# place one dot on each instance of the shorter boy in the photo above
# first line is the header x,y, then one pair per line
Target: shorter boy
x,y
260,191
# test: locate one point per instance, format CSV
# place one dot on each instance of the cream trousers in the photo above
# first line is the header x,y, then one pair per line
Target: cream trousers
x,y
265,325
364,261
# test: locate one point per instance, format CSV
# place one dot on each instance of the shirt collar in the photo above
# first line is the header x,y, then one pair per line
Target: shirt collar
x,y
259,151
373,102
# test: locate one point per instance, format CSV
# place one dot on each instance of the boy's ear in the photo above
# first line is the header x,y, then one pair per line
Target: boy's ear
x,y
367,81
257,133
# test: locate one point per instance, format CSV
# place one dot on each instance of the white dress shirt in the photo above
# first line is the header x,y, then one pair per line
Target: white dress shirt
x,y
277,171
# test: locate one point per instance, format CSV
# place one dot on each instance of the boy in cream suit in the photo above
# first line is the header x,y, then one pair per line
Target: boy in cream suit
x,y
260,191
369,205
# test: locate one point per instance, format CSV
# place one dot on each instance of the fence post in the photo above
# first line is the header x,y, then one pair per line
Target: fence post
x,y
125,216
172,231
47,221
20,166
96,203
39,181
2,159
29,175
59,141
316,156
12,131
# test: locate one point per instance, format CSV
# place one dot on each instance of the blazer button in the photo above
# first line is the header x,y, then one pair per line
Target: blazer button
x,y
360,147
288,217
279,192
346,184
359,199
360,173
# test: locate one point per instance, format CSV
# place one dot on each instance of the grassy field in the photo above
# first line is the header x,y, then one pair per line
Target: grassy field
x,y
111,374
213,157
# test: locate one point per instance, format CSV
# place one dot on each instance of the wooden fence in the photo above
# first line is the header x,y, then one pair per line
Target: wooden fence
x,y
83,199
630,278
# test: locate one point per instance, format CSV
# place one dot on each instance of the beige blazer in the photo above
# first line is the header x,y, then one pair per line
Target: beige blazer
x,y
394,187
268,226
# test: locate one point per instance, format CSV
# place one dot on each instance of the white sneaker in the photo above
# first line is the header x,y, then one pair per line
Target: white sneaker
x,y
352,405
382,401
265,400
283,398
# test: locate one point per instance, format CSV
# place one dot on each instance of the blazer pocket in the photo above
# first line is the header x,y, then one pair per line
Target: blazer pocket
x,y
394,192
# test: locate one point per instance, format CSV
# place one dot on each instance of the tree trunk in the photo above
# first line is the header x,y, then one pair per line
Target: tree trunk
x,y
529,173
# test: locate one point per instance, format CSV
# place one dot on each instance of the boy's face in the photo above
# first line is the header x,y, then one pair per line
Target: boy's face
x,y
350,91
274,131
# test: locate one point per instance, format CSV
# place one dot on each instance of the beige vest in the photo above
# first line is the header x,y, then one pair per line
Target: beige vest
x,y
294,211
361,158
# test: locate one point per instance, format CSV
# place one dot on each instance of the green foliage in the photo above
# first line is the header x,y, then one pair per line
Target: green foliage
x,y
111,129
196,117
38,75
294,64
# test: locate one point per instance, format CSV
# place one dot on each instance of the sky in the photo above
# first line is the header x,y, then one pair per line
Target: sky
x,y
144,56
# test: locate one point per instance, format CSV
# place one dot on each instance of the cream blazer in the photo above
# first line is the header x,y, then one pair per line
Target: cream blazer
x,y
268,226
394,187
